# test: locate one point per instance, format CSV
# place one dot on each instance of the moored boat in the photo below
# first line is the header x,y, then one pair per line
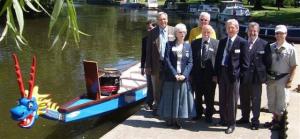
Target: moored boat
x,y
196,9
239,13
117,90
293,33
131,4
233,9
152,4
213,10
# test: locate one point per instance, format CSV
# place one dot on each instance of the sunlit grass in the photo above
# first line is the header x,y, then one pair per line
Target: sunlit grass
x,y
289,15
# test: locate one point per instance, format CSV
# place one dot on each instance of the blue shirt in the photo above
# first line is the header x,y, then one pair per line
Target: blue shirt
x,y
163,39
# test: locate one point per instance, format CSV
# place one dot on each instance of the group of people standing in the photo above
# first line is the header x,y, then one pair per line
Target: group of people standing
x,y
179,73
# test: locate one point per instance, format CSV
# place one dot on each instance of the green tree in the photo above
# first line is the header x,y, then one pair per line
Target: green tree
x,y
14,10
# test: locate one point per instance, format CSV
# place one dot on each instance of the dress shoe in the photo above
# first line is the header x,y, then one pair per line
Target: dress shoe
x,y
208,119
148,107
254,126
177,125
242,121
275,127
154,112
229,130
269,124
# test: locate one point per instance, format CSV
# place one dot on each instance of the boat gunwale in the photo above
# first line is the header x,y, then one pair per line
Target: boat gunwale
x,y
64,108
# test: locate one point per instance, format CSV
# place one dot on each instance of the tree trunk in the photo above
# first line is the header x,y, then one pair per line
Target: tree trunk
x,y
257,5
279,4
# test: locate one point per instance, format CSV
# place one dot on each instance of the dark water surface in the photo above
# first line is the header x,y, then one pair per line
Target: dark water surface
x,y
115,42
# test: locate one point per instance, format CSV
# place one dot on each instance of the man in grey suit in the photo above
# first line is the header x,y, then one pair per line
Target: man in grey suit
x,y
156,44
204,54
254,77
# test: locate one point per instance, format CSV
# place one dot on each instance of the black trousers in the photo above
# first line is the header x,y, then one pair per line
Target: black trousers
x,y
228,96
204,88
250,99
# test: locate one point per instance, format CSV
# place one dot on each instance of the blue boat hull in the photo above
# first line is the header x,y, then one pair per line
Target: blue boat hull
x,y
97,109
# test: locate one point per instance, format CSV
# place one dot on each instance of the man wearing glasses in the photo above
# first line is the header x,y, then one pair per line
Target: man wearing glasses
x,y
196,33
280,75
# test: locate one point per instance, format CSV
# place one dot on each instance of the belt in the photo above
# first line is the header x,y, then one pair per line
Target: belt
x,y
275,75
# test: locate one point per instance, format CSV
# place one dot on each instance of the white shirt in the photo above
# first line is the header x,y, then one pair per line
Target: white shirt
x,y
178,51
225,52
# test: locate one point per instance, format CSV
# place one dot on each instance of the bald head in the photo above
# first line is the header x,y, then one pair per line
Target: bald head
x,y
206,31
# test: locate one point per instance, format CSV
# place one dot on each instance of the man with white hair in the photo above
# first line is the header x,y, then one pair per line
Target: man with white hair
x,y
156,45
196,33
280,75
204,54
231,61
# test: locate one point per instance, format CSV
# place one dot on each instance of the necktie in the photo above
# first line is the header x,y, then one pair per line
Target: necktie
x,y
250,45
229,45
204,53
228,48
163,42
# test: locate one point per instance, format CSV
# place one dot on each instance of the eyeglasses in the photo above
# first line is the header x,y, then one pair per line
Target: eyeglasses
x,y
203,20
181,32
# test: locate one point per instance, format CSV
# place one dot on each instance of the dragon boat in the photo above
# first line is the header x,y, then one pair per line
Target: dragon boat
x,y
107,90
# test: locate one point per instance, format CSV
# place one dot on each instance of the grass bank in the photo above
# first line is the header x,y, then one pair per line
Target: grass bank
x,y
271,15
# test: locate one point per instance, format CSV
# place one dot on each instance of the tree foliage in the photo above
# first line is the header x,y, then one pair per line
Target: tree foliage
x,y
14,10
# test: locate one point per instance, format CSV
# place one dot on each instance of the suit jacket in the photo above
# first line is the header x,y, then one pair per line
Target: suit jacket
x,y
144,48
153,46
238,58
171,62
257,72
209,60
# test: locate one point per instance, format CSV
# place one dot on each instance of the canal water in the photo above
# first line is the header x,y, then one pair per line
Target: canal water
x,y
115,41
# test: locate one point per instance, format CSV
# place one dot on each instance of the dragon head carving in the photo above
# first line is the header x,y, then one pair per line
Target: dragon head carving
x,y
26,110
31,104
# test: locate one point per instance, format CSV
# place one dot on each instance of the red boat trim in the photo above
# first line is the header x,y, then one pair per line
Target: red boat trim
x,y
109,88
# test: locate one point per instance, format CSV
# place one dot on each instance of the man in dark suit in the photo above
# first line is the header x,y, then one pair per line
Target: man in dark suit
x,y
149,100
204,54
156,44
231,61
254,77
